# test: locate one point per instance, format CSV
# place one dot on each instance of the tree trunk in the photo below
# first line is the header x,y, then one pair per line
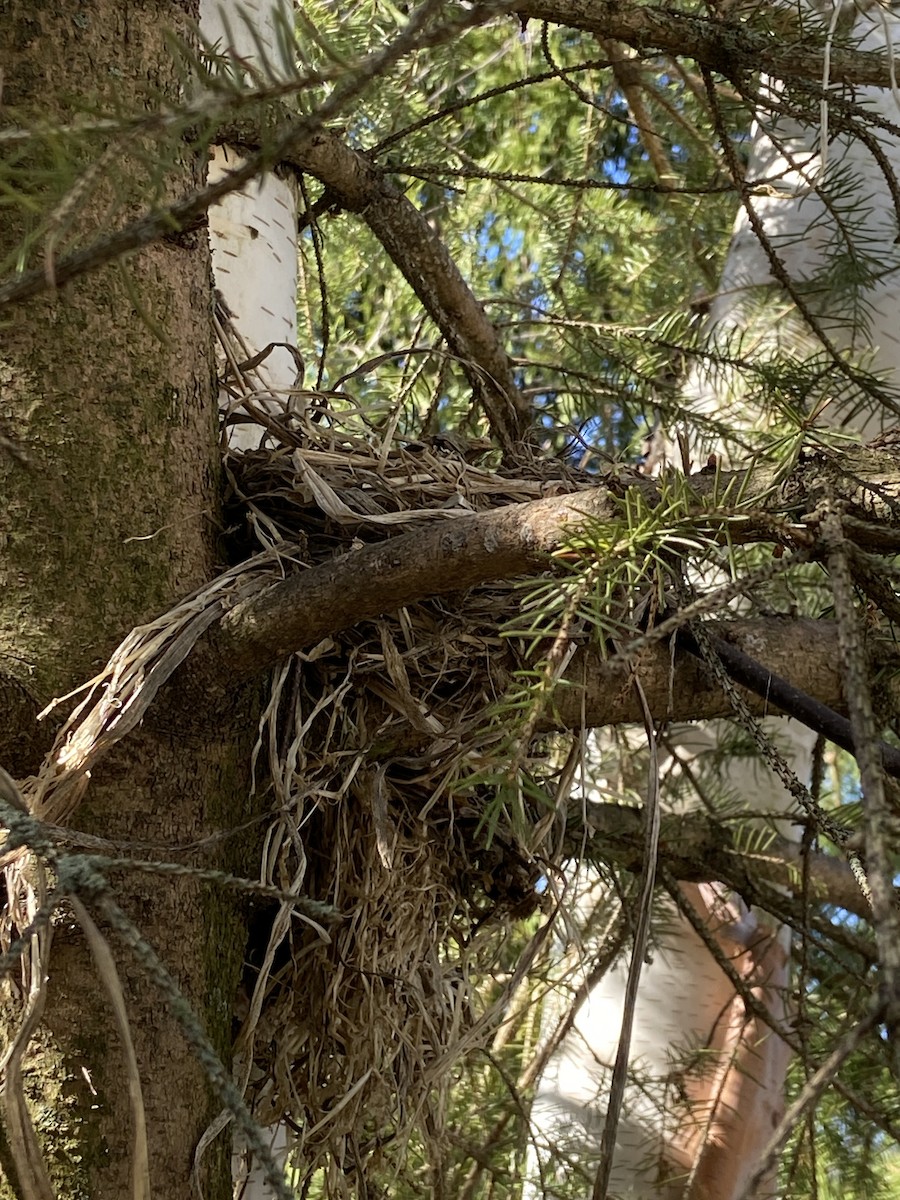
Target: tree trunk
x,y
253,236
110,385
253,232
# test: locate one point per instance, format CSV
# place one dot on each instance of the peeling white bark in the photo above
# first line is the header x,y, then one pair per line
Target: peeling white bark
x,y
684,1005
253,237
805,233
253,233
254,243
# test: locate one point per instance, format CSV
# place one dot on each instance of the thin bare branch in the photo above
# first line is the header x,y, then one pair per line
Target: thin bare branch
x,y
354,182
811,1092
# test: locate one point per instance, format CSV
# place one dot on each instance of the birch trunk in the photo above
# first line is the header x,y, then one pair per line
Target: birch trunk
x,y
253,238
253,235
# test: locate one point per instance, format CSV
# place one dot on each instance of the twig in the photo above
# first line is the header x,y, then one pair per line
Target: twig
x,y
811,1092
219,1078
784,695
109,975
879,872
638,954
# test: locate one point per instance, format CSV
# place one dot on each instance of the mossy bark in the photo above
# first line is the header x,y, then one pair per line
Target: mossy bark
x,y
108,389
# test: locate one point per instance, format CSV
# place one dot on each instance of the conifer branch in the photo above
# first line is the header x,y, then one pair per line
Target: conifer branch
x,y
698,848
728,47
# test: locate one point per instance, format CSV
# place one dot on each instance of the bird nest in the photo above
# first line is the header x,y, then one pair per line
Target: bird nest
x,y
380,747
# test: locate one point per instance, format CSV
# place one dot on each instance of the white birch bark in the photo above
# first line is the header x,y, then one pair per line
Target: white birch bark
x,y
253,236
253,232
685,1000
817,209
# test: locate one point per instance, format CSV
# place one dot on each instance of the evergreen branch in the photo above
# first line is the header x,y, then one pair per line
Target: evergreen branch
x,y
845,116
789,699
518,540
770,754
812,1091
315,910
451,556
619,1079
444,171
180,217
353,182
219,1077
870,577
777,266
698,848
457,553
456,106
630,78
728,47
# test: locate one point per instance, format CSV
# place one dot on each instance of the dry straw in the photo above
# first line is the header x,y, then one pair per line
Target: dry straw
x,y
369,736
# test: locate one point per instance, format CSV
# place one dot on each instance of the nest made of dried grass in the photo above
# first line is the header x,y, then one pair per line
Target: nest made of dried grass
x,y
371,738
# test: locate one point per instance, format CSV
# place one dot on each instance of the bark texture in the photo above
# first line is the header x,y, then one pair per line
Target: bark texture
x,y
110,385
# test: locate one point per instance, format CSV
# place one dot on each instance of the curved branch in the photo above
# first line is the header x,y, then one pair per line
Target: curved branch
x,y
727,47
450,556
596,693
355,183
794,701
456,553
